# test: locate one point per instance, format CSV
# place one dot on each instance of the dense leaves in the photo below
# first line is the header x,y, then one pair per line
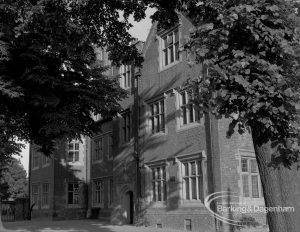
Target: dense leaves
x,y
50,82
13,180
250,50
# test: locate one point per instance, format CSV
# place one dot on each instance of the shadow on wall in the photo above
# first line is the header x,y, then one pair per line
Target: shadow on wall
x,y
68,200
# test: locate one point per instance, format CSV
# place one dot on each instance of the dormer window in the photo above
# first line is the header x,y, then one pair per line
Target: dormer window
x,y
125,76
170,47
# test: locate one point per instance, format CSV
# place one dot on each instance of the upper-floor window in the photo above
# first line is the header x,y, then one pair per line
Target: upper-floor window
x,y
157,116
170,47
97,117
189,114
73,151
98,154
126,126
159,186
193,187
73,193
45,160
45,194
35,160
251,186
125,76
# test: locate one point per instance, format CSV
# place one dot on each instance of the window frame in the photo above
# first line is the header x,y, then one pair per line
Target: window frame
x,y
198,177
75,150
185,117
45,161
98,151
35,195
169,47
126,127
156,195
98,194
246,175
35,161
157,126
74,193
125,73
45,195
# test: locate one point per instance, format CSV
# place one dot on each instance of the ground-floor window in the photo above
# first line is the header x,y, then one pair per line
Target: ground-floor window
x,y
159,186
35,195
98,192
192,174
45,195
73,193
251,186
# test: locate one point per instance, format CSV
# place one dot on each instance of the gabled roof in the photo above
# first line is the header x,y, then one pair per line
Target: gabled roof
x,y
151,35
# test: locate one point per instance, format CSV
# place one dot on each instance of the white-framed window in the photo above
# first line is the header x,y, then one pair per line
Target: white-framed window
x,y
251,186
110,192
73,193
73,151
125,76
159,185
110,147
157,116
98,192
97,117
35,160
193,180
45,194
35,195
170,47
98,153
188,112
126,127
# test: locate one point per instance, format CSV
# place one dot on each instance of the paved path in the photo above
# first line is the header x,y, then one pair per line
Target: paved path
x,y
73,226
85,226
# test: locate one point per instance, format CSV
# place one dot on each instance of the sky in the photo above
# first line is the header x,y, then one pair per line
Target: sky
x,y
139,30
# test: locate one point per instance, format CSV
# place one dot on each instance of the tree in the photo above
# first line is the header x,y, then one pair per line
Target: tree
x,y
50,81
251,51
14,177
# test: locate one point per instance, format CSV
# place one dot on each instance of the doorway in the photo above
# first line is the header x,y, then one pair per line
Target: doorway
x,y
129,207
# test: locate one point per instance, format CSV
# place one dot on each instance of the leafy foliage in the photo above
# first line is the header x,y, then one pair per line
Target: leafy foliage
x,y
14,179
251,52
50,82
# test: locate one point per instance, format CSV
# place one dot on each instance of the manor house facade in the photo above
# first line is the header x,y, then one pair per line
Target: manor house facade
x,y
157,161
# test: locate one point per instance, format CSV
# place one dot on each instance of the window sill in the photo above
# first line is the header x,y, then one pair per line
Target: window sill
x,y
189,126
45,207
35,168
45,165
169,65
192,203
158,204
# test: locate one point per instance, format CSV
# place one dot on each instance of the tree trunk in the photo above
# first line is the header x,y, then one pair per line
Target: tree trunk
x,y
281,187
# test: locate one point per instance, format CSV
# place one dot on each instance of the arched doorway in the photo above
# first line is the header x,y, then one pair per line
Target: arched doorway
x,y
129,207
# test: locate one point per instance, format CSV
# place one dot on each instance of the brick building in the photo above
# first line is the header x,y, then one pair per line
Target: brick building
x,y
159,138
58,184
